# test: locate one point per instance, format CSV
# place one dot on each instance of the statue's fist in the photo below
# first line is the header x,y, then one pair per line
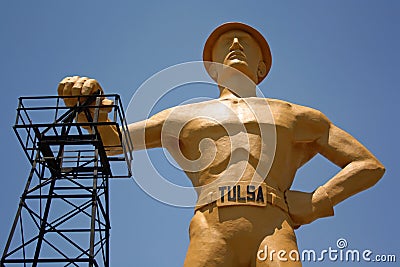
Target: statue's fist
x,y
83,86
77,86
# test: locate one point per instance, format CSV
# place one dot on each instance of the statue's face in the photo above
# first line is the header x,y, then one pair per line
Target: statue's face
x,y
239,50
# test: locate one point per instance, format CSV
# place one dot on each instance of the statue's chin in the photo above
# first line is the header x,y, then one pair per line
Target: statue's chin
x,y
236,63
236,72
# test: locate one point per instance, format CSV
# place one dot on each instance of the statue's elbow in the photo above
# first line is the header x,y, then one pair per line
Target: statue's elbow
x,y
380,169
377,171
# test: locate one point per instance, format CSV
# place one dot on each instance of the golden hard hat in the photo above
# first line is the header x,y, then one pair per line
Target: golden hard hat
x,y
266,52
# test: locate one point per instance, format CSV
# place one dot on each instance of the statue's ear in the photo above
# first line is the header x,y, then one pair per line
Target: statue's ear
x,y
261,70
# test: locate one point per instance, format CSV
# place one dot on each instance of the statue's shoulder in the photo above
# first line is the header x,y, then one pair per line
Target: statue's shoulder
x,y
279,103
188,110
278,106
198,105
299,111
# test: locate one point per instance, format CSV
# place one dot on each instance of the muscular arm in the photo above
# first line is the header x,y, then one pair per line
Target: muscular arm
x,y
144,134
147,133
360,169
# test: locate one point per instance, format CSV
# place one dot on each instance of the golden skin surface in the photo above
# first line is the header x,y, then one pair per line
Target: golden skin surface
x,y
228,138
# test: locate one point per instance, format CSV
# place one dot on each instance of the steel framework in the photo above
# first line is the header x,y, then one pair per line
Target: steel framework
x,y
63,215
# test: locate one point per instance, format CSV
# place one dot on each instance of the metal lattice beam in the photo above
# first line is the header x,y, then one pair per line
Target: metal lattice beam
x,y
63,214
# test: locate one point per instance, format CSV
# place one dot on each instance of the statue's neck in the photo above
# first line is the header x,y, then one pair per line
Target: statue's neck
x,y
236,86
238,93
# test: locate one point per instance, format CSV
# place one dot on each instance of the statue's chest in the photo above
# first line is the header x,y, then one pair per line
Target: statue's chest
x,y
215,119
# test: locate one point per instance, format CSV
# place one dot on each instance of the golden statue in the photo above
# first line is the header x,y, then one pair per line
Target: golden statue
x,y
233,221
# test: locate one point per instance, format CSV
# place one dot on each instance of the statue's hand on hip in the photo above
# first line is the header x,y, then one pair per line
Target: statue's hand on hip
x,y
305,208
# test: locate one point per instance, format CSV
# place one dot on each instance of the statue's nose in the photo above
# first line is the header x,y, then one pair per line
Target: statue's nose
x,y
236,45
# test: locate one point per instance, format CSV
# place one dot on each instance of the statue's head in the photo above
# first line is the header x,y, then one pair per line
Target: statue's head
x,y
239,46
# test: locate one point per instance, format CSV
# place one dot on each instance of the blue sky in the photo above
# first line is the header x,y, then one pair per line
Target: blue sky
x,y
340,57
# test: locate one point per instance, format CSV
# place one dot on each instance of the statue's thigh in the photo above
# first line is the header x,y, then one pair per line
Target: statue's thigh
x,y
279,249
207,247
208,250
